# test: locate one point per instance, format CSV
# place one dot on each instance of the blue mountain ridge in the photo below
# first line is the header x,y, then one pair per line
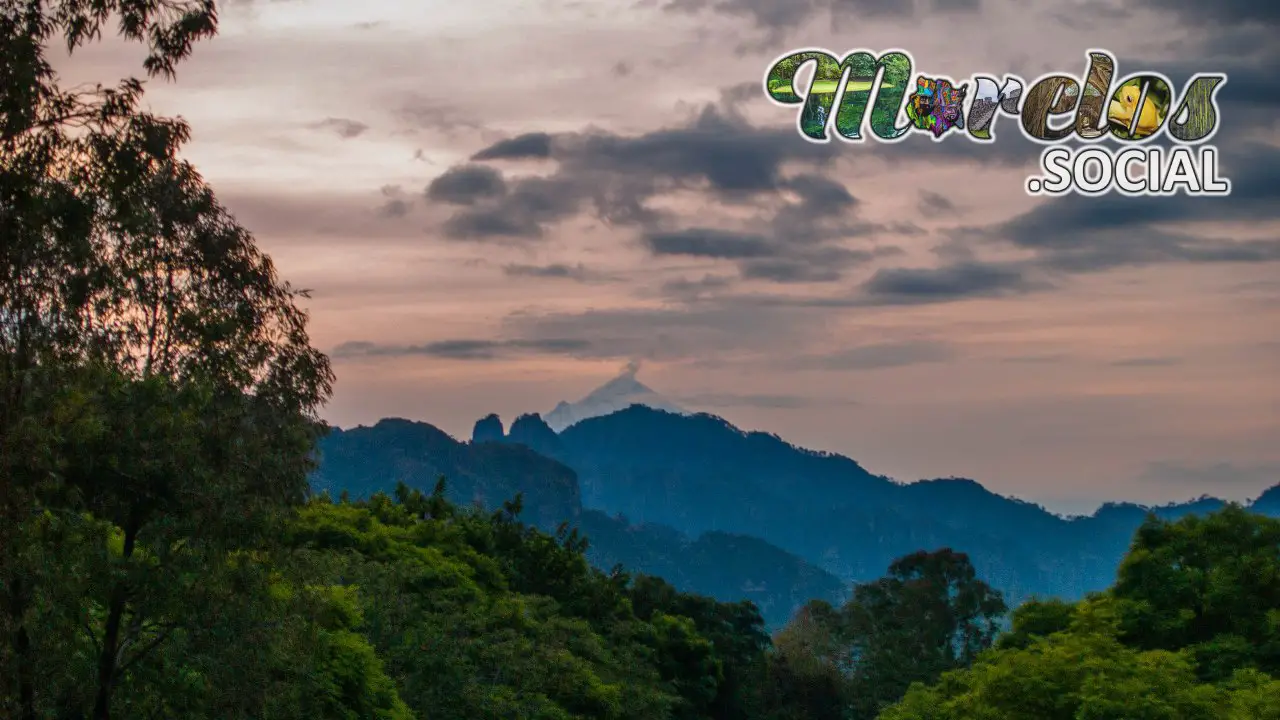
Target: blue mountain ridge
x,y
742,515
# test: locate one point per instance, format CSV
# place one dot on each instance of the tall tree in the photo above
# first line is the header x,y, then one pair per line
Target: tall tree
x,y
930,614
154,371
1209,583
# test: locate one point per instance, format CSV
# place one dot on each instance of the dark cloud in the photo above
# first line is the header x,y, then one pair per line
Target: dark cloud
x,y
884,355
763,257
1086,234
345,128
559,271
715,152
724,151
807,239
1250,58
463,349
959,281
1224,12
465,184
528,145
708,243
820,195
518,210
1079,234
490,224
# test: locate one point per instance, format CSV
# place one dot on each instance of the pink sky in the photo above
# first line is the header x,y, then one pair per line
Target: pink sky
x,y
1149,376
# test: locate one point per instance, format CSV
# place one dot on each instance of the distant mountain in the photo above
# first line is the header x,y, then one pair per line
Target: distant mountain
x,y
735,514
700,474
617,394
496,466
722,565
365,460
1268,503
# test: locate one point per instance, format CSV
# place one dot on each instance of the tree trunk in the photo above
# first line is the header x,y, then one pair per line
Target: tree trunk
x,y
22,650
109,658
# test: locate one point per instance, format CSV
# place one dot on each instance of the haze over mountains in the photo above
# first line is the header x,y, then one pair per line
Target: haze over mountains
x,y
731,513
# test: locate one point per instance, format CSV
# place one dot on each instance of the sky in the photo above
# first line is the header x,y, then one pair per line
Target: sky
x,y
498,205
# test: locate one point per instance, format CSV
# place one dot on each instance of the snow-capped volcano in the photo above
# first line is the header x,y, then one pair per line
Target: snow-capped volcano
x,y
619,393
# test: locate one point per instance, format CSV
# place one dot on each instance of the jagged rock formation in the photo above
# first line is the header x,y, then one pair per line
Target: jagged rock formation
x,y
488,429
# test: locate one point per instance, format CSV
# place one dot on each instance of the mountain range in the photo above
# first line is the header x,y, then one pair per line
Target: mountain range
x,y
492,469
735,514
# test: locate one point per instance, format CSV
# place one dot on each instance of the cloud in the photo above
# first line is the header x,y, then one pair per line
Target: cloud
x,y
1204,475
1254,169
726,152
761,257
528,145
708,243
522,212
1220,11
715,153
463,349
959,281
807,239
931,202
345,128
559,271
883,355
466,184
1077,234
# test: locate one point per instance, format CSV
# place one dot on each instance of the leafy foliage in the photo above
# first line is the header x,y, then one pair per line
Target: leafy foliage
x,y
1188,631
930,614
159,556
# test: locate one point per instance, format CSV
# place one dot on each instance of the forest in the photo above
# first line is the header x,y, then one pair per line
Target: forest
x,y
161,555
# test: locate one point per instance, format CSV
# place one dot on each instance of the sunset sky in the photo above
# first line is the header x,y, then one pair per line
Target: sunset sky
x,y
500,204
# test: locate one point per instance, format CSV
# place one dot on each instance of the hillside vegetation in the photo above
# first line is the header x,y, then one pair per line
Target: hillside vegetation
x,y
161,555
